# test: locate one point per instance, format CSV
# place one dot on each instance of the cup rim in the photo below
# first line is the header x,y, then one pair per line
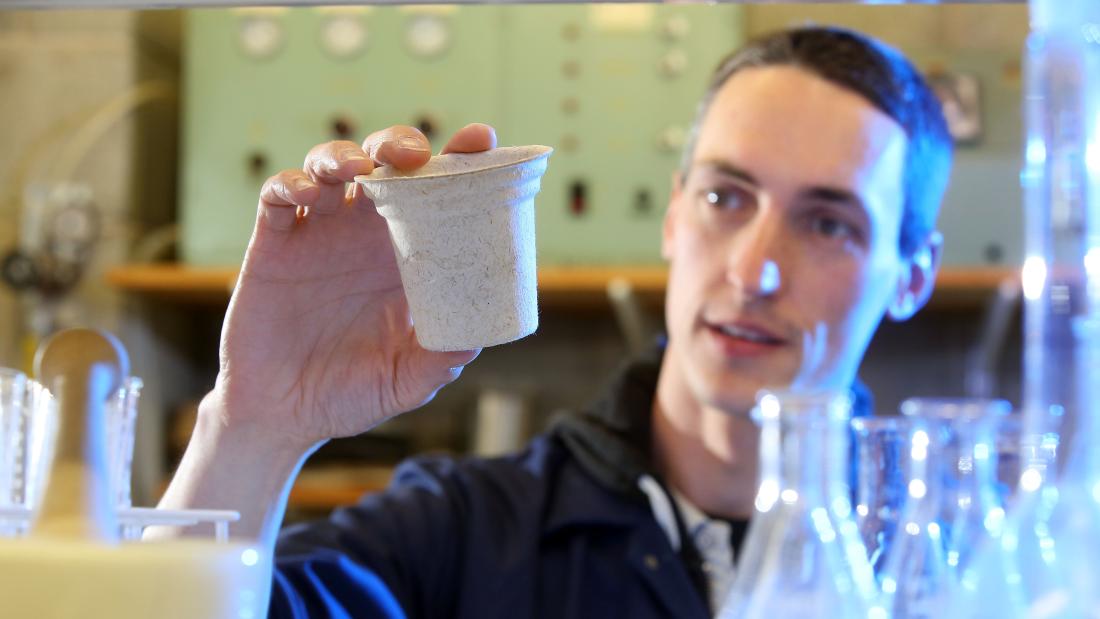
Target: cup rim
x,y
496,158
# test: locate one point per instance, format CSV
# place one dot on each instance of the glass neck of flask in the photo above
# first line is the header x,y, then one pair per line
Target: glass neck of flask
x,y
953,449
804,451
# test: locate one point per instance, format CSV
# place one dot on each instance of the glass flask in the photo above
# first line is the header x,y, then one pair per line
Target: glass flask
x,y
953,502
803,544
121,419
1043,563
1012,450
25,440
880,481
13,388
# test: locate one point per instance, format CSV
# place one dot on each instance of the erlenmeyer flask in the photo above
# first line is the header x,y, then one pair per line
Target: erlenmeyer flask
x,y
880,481
1044,563
953,502
1012,456
803,555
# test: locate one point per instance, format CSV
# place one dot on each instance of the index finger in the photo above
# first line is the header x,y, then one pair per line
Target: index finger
x,y
401,146
472,138
337,162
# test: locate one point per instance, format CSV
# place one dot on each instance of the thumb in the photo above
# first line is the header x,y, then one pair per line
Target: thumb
x,y
438,369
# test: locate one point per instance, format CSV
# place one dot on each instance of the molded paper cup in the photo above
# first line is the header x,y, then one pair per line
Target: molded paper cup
x,y
463,230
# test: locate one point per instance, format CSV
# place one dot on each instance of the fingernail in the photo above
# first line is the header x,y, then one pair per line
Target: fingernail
x,y
413,143
354,154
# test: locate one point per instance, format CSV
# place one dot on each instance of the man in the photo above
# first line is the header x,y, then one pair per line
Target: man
x,y
804,213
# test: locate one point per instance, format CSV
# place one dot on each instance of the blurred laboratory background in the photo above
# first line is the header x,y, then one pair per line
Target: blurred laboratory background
x,y
134,144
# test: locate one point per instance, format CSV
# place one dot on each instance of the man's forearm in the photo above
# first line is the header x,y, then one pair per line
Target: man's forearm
x,y
234,469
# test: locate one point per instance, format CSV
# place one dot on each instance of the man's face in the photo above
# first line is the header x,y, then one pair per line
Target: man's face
x,y
783,239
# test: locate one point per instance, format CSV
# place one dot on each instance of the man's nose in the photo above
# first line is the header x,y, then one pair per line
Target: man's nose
x,y
755,258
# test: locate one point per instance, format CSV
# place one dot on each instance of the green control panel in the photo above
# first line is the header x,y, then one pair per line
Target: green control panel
x,y
611,87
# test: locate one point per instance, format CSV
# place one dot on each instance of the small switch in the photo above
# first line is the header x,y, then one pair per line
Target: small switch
x,y
427,126
257,163
571,69
643,202
994,253
578,198
571,31
342,128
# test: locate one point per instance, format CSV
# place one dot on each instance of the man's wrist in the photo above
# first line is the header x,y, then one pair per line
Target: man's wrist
x,y
220,428
235,466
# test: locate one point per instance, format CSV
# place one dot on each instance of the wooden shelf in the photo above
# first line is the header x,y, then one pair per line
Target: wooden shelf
x,y
558,286
175,281
327,487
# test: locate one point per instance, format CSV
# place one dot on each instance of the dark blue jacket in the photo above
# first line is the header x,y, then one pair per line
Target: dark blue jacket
x,y
527,536
560,530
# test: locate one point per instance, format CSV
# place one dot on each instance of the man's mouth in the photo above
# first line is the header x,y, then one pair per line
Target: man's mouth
x,y
749,334
738,337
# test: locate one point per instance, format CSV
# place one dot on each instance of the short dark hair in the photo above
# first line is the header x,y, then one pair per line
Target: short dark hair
x,y
882,76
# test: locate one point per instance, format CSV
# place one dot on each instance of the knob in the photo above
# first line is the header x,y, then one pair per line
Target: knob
x,y
671,139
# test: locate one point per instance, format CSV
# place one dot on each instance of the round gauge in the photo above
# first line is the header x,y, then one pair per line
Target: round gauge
x,y
428,35
261,36
677,27
674,63
19,270
343,36
671,139
74,231
75,225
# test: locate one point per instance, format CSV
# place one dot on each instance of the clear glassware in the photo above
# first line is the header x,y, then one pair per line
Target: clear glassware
x,y
121,417
25,440
1043,563
27,417
953,502
1011,457
13,390
881,478
40,428
803,544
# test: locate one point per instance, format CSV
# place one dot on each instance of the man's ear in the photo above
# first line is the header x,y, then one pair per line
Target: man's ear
x,y
668,227
917,278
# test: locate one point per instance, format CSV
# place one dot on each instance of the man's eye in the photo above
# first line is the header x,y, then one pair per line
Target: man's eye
x,y
833,228
724,199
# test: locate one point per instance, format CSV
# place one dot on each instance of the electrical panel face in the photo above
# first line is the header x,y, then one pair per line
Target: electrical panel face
x,y
613,88
264,86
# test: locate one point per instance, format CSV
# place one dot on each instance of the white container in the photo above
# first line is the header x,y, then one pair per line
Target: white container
x,y
72,565
179,579
463,230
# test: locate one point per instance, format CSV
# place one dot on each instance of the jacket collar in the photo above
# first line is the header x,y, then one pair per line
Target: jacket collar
x,y
612,438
